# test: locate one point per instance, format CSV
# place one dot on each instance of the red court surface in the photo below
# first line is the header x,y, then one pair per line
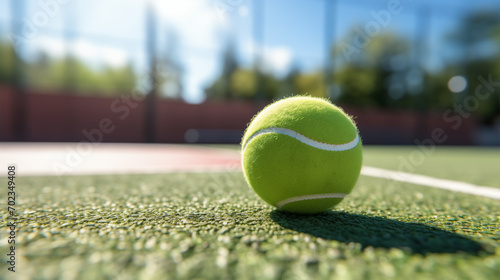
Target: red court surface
x,y
55,159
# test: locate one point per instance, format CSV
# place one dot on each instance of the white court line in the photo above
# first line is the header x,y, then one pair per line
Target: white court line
x,y
431,182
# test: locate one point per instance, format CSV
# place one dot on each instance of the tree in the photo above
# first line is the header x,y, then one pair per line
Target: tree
x,y
221,88
311,84
478,39
235,82
288,85
6,62
373,74
49,74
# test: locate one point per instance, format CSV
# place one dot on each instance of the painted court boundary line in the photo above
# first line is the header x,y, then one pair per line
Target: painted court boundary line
x,y
431,182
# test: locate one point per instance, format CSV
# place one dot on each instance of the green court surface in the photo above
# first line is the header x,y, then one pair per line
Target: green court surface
x,y
479,166
212,226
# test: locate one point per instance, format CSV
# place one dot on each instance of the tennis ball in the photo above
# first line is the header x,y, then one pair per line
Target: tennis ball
x,y
302,154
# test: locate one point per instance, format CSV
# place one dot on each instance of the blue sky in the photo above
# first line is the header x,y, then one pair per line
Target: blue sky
x,y
112,32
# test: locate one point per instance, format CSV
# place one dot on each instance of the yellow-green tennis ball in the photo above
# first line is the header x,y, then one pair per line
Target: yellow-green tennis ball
x,y
302,154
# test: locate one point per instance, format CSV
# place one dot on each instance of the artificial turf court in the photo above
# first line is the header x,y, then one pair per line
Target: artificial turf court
x,y
185,225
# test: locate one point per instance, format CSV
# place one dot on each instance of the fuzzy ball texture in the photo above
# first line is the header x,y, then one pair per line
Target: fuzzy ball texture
x,y
302,154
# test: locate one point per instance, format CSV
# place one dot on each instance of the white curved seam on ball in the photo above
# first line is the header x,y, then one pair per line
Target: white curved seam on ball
x,y
308,197
308,141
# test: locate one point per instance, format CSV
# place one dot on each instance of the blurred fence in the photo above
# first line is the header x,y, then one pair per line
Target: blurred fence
x,y
69,118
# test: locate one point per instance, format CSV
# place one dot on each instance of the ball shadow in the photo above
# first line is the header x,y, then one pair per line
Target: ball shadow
x,y
378,232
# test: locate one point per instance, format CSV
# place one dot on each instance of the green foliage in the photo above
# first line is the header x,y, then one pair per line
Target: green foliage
x,y
478,30
47,73
383,72
236,82
72,74
357,83
6,62
363,81
374,75
244,84
311,84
